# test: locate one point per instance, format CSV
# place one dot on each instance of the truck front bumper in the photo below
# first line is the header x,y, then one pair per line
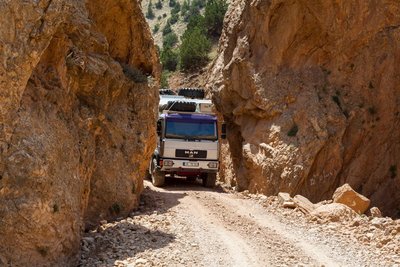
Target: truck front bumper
x,y
195,166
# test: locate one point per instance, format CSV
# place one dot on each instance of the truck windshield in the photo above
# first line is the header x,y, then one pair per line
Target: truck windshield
x,y
191,130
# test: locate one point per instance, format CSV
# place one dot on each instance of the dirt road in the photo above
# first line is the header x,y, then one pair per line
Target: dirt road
x,y
185,224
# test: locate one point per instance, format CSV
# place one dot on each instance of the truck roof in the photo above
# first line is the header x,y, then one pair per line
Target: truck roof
x,y
193,116
165,98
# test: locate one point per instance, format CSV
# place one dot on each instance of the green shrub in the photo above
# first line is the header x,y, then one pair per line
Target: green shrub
x,y
293,131
169,59
167,29
170,40
115,208
159,4
134,74
156,28
173,19
164,79
150,13
172,3
214,16
176,9
194,49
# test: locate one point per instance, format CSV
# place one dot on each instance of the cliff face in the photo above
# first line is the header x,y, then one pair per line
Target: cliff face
x,y
310,90
76,129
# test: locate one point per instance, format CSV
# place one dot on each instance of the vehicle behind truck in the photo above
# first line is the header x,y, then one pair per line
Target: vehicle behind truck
x,y
187,138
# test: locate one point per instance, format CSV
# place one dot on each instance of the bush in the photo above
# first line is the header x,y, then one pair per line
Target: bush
x,y
293,131
173,19
150,13
172,3
164,79
194,49
156,28
134,74
167,29
185,8
170,40
214,16
176,9
169,59
159,4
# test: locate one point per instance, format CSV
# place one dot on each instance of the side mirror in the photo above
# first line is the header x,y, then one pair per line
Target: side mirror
x,y
223,131
159,127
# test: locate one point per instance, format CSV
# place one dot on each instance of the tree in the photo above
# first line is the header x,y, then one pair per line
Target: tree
x,y
185,7
194,49
214,16
169,59
164,79
176,9
156,28
172,3
159,4
167,29
170,40
150,13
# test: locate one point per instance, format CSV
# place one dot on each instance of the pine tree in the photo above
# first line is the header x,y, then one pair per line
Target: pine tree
x,y
194,49
150,13
214,16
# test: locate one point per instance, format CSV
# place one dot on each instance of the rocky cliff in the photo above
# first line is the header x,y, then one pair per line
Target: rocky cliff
x,y
78,82
310,90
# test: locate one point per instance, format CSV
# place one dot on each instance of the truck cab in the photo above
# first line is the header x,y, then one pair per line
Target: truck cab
x,y
187,141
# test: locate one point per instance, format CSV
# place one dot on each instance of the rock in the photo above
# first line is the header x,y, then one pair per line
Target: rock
x,y
347,196
305,205
76,122
375,212
141,261
284,197
289,204
301,116
335,212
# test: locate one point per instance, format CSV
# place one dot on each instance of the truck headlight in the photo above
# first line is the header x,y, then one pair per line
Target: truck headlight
x,y
212,165
168,163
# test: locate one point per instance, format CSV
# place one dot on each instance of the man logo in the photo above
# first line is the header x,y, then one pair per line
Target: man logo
x,y
191,153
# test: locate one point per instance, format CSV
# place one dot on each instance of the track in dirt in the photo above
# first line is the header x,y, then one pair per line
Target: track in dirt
x,y
184,224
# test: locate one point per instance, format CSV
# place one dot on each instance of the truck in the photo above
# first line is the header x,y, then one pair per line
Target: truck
x,y
187,138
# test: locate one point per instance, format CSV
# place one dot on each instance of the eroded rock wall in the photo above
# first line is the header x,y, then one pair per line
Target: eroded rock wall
x,y
77,124
311,93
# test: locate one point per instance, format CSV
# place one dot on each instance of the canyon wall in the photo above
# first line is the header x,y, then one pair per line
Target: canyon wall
x,y
310,91
76,122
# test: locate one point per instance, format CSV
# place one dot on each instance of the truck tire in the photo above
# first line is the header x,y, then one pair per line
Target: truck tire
x,y
209,180
192,92
167,92
157,176
181,106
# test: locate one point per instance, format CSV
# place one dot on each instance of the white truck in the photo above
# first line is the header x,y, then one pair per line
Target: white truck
x,y
187,139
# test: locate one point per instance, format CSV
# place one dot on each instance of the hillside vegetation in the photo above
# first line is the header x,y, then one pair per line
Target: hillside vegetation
x,y
185,32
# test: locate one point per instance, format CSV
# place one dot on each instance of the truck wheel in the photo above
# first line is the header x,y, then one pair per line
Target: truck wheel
x,y
192,92
157,176
209,180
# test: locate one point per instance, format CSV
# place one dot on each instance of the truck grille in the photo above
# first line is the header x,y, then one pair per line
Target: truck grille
x,y
189,153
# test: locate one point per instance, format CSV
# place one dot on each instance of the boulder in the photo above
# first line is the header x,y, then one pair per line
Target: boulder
x,y
347,196
284,197
334,212
375,212
305,205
